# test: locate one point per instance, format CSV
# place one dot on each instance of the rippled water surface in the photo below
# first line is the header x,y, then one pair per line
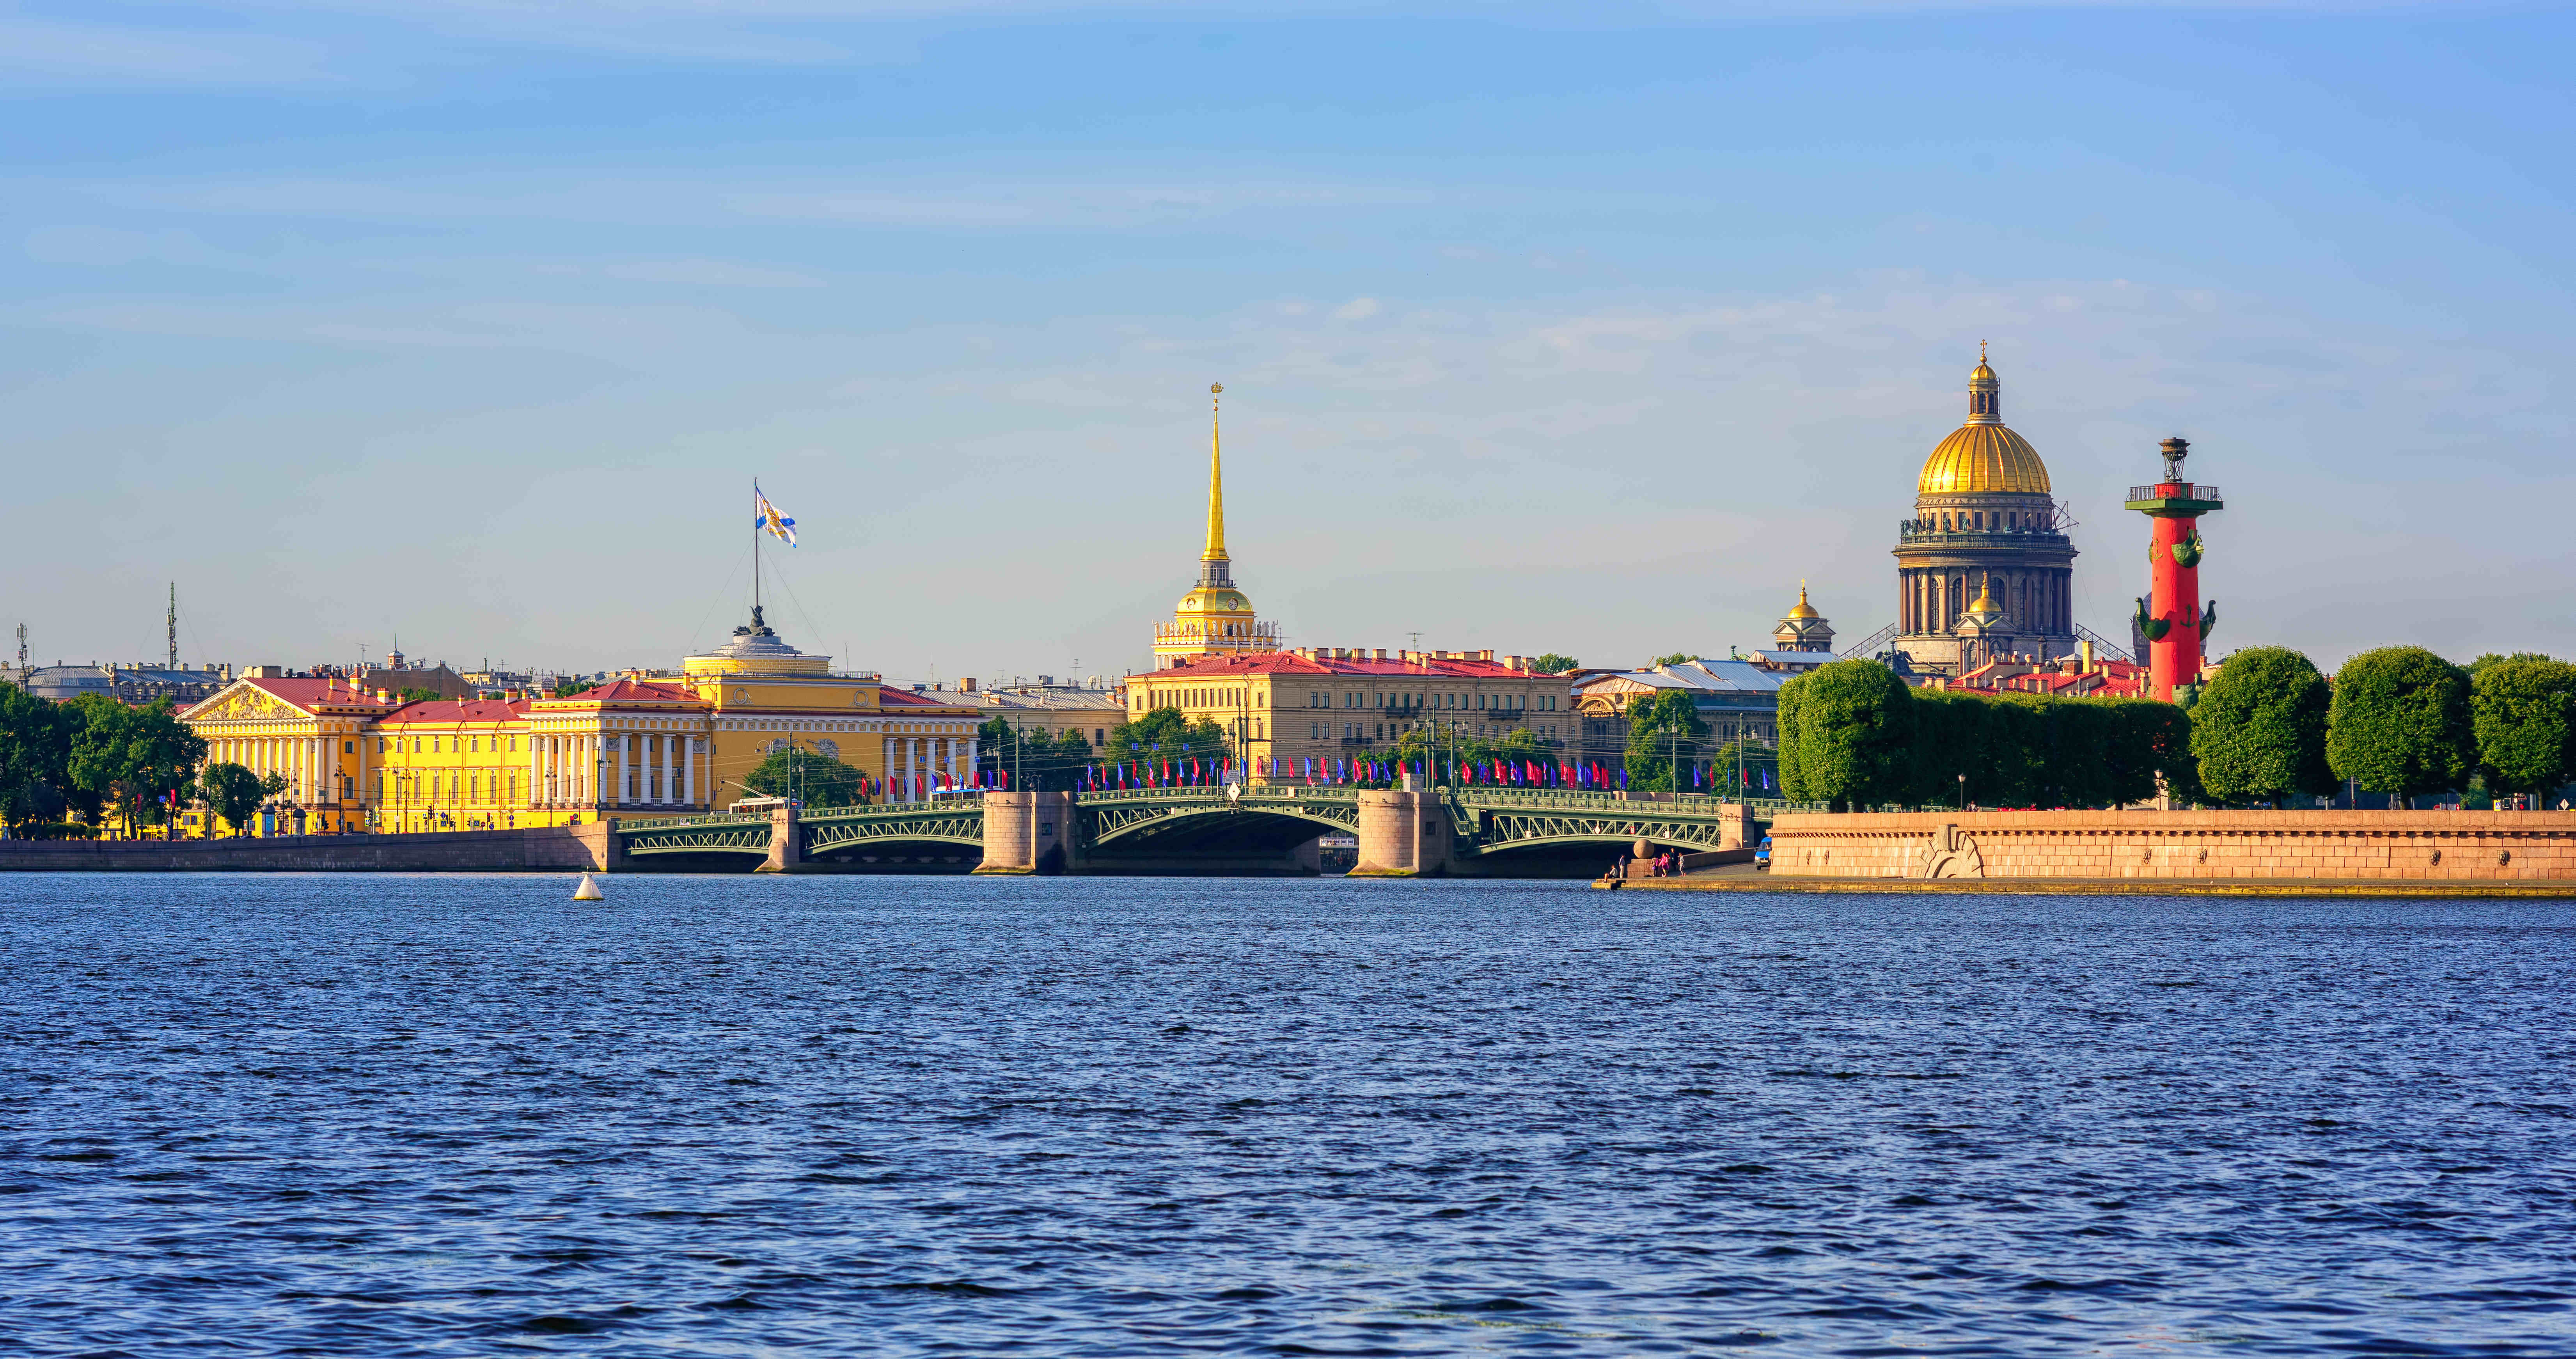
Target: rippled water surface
x,y
387,1116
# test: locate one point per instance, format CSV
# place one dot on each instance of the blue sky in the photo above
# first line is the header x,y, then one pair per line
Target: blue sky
x,y
1595,334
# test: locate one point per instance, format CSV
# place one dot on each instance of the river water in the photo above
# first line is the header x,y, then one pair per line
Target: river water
x,y
390,1116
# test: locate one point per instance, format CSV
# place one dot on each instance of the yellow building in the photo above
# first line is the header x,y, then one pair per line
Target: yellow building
x,y
1281,707
314,733
1214,618
643,745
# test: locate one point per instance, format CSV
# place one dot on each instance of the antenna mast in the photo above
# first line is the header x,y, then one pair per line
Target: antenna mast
x,y
170,625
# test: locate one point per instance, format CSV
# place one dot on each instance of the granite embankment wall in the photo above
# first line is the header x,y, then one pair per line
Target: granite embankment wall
x,y
2228,846
547,848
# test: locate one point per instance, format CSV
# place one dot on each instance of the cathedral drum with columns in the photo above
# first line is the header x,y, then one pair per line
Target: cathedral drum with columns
x,y
1983,567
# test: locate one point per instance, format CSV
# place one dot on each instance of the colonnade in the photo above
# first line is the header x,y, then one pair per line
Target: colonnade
x,y
312,775
568,769
911,761
1931,601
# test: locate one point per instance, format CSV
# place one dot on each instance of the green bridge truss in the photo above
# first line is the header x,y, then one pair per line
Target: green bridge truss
x,y
1485,820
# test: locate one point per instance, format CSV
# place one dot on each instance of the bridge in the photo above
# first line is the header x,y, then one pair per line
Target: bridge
x,y
1258,829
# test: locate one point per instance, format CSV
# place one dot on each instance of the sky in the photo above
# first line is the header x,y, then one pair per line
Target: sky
x,y
1590,329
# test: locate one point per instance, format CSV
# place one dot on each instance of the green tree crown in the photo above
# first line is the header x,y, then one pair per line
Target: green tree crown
x,y
2400,722
1657,728
2523,716
812,777
1845,735
2258,733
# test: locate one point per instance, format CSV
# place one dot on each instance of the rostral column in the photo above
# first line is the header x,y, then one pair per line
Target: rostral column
x,y
2172,617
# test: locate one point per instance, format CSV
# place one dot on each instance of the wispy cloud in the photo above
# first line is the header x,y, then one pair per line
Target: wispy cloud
x,y
38,51
1002,201
710,274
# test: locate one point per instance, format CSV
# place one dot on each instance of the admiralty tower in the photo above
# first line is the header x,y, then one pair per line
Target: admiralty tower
x,y
1984,520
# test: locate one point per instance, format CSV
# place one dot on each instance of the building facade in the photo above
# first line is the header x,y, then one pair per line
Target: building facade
x,y
644,744
1214,618
1985,520
1090,711
1279,707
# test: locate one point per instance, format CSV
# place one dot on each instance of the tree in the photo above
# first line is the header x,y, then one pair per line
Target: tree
x,y
35,753
2152,752
97,757
1555,663
2523,714
1659,728
417,694
2478,666
1761,766
1164,734
233,792
1033,757
809,776
1675,658
2400,723
1440,752
161,758
2258,733
1844,738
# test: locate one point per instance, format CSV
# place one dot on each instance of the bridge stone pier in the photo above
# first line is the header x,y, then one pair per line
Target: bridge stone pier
x,y
1027,833
1404,833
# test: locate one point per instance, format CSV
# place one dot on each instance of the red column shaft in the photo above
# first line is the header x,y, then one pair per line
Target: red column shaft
x,y
2173,596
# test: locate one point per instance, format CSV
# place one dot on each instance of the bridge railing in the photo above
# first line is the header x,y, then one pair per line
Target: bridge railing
x,y
631,823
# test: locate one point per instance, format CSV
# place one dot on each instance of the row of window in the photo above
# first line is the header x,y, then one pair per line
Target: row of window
x,y
1222,696
1445,701
1378,731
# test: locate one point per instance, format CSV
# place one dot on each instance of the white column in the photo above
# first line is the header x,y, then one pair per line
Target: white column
x,y
689,767
911,767
624,742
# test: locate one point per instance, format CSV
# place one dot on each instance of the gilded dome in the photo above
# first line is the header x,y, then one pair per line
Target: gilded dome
x,y
1983,458
1211,600
1983,455
1802,609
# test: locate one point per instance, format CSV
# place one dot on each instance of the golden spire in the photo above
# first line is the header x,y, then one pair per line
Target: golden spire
x,y
1216,482
1802,609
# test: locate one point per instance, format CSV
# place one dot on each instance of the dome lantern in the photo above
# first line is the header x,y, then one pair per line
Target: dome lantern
x,y
1983,456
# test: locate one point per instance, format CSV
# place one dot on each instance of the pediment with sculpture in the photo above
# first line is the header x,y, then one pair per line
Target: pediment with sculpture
x,y
245,702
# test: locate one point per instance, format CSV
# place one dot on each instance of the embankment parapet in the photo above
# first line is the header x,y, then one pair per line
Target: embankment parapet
x,y
2227,845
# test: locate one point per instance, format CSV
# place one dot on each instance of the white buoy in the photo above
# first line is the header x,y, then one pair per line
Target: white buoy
x,y
588,891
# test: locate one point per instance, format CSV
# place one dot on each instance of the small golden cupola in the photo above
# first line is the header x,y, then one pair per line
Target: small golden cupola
x,y
1214,618
1804,629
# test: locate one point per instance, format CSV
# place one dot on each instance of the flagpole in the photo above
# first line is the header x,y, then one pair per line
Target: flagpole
x,y
755,547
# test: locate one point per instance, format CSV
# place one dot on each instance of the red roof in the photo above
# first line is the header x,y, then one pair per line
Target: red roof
x,y
470,710
308,693
2110,677
1298,663
634,691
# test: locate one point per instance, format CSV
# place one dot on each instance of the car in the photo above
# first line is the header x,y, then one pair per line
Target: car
x,y
1762,854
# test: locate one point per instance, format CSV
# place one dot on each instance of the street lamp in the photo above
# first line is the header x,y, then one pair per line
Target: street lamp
x,y
1963,792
